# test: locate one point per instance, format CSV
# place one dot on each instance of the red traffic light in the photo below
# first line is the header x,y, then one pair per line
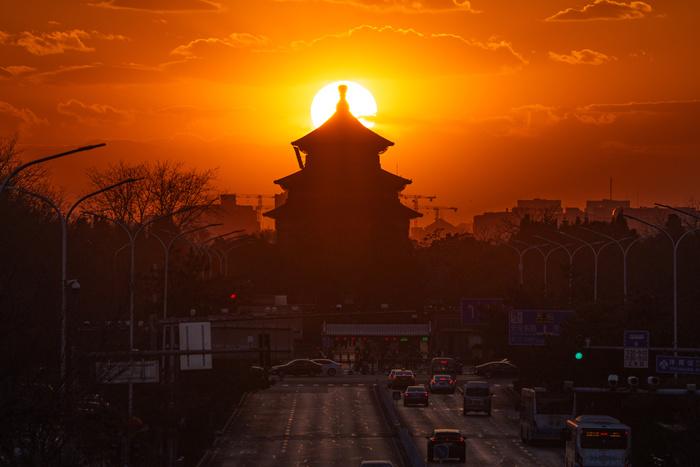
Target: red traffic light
x,y
233,296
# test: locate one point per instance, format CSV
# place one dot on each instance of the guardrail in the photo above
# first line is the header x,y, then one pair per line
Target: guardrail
x,y
209,454
409,450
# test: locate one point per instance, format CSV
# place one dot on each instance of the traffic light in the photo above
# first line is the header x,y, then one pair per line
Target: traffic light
x,y
233,296
578,355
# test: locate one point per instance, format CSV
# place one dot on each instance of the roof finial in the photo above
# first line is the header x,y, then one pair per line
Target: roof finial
x,y
342,105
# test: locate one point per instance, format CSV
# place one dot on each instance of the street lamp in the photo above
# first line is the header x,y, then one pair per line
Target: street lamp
x,y
545,259
623,249
133,234
596,255
64,219
571,255
166,252
674,244
521,254
12,174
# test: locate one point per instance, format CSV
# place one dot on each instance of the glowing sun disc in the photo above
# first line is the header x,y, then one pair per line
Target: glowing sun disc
x,y
362,103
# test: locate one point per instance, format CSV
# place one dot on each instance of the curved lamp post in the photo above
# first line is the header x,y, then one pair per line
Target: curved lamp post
x,y
571,255
521,254
674,245
166,251
64,219
623,249
596,256
11,175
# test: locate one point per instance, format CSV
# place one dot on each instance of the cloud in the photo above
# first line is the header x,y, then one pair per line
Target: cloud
x,y
437,52
14,119
100,73
233,41
92,114
160,6
58,42
604,10
582,57
16,70
408,6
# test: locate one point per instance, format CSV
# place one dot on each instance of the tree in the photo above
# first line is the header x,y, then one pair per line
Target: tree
x,y
165,187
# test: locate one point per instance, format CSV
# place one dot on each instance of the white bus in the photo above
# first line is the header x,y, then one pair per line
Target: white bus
x,y
597,441
543,414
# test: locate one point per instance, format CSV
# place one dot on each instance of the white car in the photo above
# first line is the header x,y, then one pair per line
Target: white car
x,y
330,368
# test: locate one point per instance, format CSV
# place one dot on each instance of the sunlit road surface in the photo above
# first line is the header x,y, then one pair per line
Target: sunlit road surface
x,y
490,441
308,422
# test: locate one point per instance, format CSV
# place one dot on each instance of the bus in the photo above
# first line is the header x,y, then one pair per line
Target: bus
x,y
597,440
543,414
445,366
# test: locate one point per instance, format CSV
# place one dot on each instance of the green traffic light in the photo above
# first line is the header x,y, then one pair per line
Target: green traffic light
x,y
578,355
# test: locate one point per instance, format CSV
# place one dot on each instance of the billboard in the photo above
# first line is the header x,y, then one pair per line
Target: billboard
x,y
530,327
195,336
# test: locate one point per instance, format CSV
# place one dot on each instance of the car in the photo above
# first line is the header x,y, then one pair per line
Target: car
x,y
414,395
298,367
392,375
477,397
330,367
501,368
376,464
446,444
442,383
402,379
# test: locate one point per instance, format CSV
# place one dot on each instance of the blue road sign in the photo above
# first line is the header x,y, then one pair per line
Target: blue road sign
x,y
636,339
680,365
472,309
530,327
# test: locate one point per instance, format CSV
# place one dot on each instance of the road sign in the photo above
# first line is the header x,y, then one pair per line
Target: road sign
x,y
680,365
140,371
472,308
636,344
530,327
195,336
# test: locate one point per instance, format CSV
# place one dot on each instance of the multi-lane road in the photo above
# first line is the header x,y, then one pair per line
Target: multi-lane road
x,y
339,422
492,441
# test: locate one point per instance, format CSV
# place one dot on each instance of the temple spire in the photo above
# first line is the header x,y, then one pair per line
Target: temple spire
x,y
342,106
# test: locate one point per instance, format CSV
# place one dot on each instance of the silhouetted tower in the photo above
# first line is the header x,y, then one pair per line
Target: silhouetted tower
x,y
343,218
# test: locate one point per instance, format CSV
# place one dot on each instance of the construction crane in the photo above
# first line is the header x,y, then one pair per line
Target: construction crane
x,y
437,209
260,205
414,201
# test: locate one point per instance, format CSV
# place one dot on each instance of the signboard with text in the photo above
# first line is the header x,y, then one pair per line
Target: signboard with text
x,y
680,365
636,349
140,371
531,327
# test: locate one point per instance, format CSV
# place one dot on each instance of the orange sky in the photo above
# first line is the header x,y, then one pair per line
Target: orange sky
x,y
487,101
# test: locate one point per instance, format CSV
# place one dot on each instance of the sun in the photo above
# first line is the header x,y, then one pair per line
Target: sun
x,y
362,103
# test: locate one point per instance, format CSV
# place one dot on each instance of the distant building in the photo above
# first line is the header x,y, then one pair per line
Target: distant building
x,y
232,215
539,209
602,210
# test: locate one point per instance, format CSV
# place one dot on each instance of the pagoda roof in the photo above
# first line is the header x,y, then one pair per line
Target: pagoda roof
x,y
342,130
382,177
396,209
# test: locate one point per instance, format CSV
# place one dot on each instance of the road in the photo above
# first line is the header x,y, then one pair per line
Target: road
x,y
337,422
307,422
492,441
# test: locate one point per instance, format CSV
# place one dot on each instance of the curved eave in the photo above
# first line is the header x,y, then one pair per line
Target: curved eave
x,y
342,128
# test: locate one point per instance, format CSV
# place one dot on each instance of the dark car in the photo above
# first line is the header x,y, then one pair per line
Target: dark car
x,y
402,379
442,383
415,395
502,368
446,444
301,367
258,378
